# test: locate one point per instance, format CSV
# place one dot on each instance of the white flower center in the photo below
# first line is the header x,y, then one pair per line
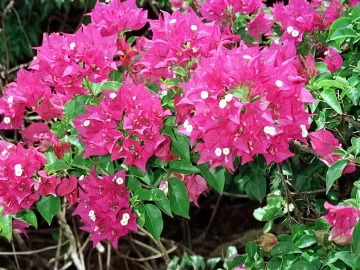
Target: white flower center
x,y
189,128
112,95
247,57
269,130
228,97
194,50
7,120
86,123
10,99
304,132
72,46
186,123
193,27
218,152
92,215
226,151
279,83
81,177
204,94
119,181
18,170
173,21
289,29
295,33
222,104
4,152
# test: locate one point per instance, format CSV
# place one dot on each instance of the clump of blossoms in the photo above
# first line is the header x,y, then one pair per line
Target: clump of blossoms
x,y
18,167
343,220
104,207
244,102
126,124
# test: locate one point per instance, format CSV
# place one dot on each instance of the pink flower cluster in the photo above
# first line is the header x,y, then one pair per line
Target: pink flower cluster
x,y
64,60
104,207
222,10
17,183
244,102
301,16
176,39
126,124
343,220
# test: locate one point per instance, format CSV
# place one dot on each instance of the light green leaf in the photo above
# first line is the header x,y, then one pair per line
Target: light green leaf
x,y
343,33
283,248
215,178
182,166
27,216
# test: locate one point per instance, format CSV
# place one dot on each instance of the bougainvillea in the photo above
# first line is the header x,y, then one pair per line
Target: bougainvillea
x,y
213,97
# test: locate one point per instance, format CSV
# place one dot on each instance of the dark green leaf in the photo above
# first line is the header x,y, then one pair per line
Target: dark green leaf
x,y
162,201
306,240
179,200
48,207
251,248
346,257
330,98
302,266
334,172
343,33
27,216
74,107
257,185
182,166
356,240
153,220
215,178
283,248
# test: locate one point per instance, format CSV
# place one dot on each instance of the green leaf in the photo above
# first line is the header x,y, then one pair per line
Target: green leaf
x,y
346,257
74,107
27,216
342,22
182,166
356,240
355,13
354,95
283,248
257,186
302,266
251,248
306,240
274,264
334,172
6,226
48,207
53,164
104,163
179,200
162,201
331,83
180,146
343,33
153,220
215,178
330,98
139,210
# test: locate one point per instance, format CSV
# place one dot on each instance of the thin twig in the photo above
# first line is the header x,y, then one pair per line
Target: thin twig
x,y
57,255
108,256
23,30
69,235
15,256
32,252
6,10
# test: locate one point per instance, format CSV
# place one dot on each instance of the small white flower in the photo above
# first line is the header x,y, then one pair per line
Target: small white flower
x,y
194,50
186,123
326,52
269,130
279,83
222,104
18,170
304,132
72,46
193,27
247,57
81,177
134,98
295,33
124,222
9,146
96,228
7,120
18,167
126,216
10,99
100,247
228,97
112,95
119,181
34,58
92,215
204,94
4,152
218,152
189,129
226,151
289,29
86,123
172,21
